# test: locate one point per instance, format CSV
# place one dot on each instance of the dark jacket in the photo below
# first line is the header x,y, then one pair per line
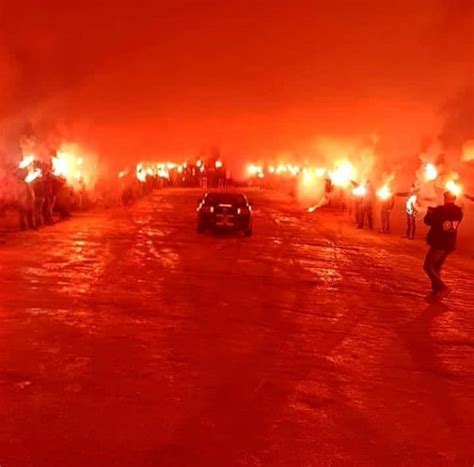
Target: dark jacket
x,y
444,221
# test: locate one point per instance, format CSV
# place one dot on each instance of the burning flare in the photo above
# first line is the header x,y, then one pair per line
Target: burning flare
x,y
343,174
33,175
140,173
360,191
384,193
453,187
255,170
26,162
431,172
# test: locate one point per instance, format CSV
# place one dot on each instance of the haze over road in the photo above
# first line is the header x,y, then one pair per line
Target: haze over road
x,y
129,339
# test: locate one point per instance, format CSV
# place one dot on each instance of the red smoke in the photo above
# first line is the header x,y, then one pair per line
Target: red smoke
x,y
137,80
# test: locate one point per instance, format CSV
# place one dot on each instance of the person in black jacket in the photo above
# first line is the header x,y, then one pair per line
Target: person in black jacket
x,y
444,222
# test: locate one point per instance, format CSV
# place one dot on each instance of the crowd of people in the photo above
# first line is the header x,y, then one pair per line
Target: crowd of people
x,y
40,196
38,200
443,222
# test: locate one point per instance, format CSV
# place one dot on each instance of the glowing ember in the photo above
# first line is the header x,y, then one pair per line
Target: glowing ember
x,y
343,174
26,162
384,193
123,174
453,187
218,164
431,172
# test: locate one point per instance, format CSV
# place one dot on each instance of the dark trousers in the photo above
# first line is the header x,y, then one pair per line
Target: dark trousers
x,y
411,226
26,218
385,220
48,210
365,212
39,214
434,261
357,213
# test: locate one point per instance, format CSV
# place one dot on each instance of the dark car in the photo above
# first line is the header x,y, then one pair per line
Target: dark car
x,y
226,211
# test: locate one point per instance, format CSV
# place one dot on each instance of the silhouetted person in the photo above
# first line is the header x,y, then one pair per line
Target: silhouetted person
x,y
39,189
411,210
49,198
366,207
26,207
328,189
386,207
443,221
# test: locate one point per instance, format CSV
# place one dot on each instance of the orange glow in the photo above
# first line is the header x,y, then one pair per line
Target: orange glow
x,y
254,170
360,191
431,172
33,175
218,164
26,162
308,177
384,192
68,164
343,174
453,187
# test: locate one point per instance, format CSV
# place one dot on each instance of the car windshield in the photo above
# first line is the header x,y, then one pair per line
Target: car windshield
x,y
225,198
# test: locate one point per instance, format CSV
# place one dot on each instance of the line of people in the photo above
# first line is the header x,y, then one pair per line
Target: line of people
x,y
443,222
364,208
37,201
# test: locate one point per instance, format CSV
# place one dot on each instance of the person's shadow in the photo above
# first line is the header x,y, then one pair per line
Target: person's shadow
x,y
435,376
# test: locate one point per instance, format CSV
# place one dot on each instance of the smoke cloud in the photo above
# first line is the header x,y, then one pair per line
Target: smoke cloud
x,y
141,80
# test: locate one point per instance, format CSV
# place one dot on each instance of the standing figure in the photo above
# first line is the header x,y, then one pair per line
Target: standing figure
x,y
411,209
366,206
49,198
444,222
386,207
38,187
26,206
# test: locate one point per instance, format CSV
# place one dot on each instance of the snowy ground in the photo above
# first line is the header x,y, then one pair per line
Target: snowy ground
x,y
127,339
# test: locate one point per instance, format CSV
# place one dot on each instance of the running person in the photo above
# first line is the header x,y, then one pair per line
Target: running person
x,y
443,221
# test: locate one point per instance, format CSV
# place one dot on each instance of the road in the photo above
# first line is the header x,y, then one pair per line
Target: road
x,y
127,339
